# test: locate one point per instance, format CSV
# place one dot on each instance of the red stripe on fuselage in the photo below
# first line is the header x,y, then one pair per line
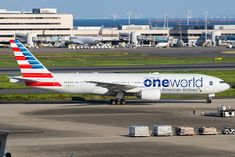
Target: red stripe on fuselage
x,y
37,75
25,66
43,84
20,58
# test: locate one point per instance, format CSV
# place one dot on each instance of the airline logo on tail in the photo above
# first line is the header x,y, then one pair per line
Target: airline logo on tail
x,y
100,31
30,67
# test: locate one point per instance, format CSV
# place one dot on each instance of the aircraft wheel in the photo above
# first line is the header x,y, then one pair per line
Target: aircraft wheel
x,y
118,102
113,102
123,101
209,101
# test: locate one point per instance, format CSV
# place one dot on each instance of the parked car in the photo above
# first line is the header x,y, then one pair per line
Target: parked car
x,y
228,130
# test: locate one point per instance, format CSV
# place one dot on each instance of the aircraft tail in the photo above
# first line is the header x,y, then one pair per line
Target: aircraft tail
x,y
29,66
33,71
100,33
3,141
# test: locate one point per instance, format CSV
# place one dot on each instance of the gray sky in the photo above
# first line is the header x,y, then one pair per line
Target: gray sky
x,y
120,8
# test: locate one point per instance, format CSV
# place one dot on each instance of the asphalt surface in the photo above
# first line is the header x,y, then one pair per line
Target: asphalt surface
x,y
165,52
95,129
155,68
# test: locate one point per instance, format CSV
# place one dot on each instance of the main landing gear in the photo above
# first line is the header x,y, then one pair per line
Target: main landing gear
x,y
210,96
117,102
118,99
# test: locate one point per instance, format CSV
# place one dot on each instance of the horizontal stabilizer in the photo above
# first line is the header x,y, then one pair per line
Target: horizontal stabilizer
x,y
20,79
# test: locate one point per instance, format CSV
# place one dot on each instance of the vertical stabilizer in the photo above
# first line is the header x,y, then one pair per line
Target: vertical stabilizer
x,y
34,73
29,65
100,33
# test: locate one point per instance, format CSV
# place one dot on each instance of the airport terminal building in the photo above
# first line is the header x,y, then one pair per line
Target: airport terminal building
x,y
196,35
39,21
45,23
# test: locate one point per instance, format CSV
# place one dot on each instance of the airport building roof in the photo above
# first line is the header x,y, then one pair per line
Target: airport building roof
x,y
34,11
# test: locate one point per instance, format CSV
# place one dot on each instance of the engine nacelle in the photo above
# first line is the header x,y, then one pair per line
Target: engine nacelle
x,y
150,94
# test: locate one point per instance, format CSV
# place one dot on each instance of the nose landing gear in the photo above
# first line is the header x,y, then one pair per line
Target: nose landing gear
x,y
210,96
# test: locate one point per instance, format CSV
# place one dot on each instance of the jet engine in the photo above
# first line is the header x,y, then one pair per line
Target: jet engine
x,y
150,94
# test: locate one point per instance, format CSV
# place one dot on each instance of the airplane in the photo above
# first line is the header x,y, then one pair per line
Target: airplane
x,y
163,45
146,86
86,40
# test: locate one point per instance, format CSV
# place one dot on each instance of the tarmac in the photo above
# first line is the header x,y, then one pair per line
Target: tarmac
x,y
100,130
125,69
161,52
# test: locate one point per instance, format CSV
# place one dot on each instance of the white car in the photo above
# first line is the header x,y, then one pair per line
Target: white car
x,y
228,130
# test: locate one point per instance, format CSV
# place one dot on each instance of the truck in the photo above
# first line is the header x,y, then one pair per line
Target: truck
x,y
228,130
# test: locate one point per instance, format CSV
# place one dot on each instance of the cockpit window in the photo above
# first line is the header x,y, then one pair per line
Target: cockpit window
x,y
221,82
211,83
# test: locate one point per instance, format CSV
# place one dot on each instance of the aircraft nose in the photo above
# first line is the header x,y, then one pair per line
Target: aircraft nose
x,y
227,86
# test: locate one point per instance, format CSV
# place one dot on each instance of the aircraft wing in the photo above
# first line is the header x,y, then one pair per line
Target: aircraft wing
x,y
112,86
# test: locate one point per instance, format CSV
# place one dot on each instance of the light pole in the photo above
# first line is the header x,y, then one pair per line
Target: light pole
x,y
129,24
181,36
206,22
164,19
167,21
188,16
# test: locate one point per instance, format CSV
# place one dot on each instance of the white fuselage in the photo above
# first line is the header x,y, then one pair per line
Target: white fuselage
x,y
166,83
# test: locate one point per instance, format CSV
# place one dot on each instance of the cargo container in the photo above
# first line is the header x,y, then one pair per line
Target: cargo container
x,y
139,131
207,131
184,131
162,130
